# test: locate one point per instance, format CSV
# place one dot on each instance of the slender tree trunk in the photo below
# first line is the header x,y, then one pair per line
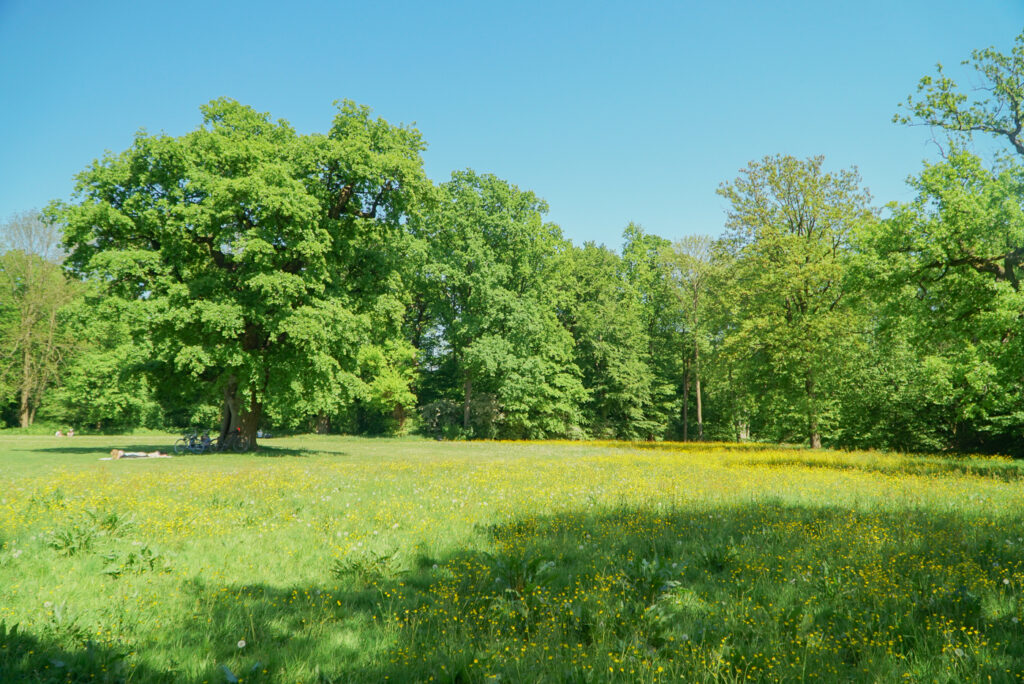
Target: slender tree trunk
x,y
733,408
24,415
686,404
812,414
696,359
25,409
696,373
740,421
323,424
468,387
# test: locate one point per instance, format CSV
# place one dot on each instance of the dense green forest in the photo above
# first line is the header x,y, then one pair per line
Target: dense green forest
x,y
247,276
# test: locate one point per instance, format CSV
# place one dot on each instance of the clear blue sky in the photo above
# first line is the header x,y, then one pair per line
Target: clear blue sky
x,y
613,113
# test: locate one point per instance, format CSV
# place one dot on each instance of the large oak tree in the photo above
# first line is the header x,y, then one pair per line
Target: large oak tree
x,y
261,261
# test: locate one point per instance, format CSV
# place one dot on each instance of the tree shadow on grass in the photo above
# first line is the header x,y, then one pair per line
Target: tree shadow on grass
x,y
710,447
762,591
104,451
27,657
1005,471
995,468
280,452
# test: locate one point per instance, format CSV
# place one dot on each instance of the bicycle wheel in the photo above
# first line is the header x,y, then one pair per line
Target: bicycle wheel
x,y
240,443
181,445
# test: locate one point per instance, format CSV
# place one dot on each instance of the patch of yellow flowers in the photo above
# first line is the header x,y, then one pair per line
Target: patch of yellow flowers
x,y
578,561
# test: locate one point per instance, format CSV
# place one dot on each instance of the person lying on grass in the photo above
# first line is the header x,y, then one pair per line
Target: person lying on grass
x,y
120,453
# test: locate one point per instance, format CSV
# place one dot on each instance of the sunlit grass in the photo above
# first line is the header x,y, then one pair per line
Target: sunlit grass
x,y
334,559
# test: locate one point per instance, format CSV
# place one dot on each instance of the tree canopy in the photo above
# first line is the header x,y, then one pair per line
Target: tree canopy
x,y
249,274
256,256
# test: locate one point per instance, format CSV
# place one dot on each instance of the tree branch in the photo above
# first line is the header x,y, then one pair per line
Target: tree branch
x,y
376,202
989,265
341,202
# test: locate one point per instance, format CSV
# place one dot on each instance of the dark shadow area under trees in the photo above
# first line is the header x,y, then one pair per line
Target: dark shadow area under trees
x,y
764,591
265,451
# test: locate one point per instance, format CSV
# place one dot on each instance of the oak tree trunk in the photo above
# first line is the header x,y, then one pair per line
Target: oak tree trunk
x,y
237,416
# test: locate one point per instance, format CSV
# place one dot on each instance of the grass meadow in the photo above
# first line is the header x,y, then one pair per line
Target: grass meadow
x,y
327,559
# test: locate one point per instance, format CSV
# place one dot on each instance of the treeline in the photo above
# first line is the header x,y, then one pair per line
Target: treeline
x,y
246,275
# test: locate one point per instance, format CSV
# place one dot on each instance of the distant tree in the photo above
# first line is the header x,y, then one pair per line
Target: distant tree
x,y
789,225
994,106
603,313
31,233
496,342
260,261
691,264
949,264
108,383
960,247
663,322
34,340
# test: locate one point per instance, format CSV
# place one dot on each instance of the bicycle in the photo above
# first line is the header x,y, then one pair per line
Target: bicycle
x,y
193,443
188,442
233,441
